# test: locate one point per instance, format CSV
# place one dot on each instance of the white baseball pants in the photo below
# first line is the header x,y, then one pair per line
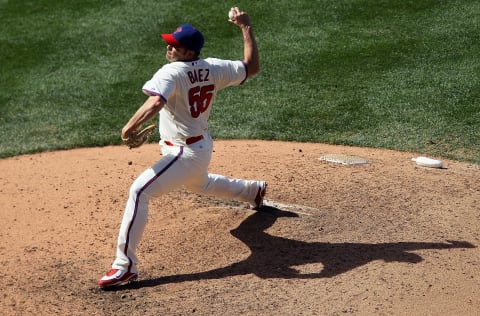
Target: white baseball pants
x,y
180,165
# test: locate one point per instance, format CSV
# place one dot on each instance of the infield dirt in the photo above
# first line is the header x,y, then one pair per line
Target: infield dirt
x,y
383,238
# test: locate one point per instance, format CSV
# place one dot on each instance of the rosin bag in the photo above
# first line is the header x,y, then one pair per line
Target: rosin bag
x,y
428,162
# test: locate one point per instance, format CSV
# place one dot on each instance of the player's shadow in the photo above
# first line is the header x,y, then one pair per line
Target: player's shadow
x,y
277,257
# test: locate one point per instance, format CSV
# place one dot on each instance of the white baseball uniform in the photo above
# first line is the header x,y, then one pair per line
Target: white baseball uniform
x,y
189,89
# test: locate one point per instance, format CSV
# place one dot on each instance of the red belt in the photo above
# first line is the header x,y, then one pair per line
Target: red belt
x,y
193,139
188,141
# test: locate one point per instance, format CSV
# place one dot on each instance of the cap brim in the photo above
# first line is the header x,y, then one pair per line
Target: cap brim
x,y
170,40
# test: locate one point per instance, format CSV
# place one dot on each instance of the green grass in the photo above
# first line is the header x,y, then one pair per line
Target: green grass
x,y
398,74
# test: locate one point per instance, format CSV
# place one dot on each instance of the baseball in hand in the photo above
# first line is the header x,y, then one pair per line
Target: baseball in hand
x,y
230,14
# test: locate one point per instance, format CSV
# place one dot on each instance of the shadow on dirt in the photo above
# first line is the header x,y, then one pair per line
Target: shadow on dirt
x,y
276,257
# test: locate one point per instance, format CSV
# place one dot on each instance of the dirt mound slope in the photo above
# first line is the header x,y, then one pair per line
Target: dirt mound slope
x,y
383,238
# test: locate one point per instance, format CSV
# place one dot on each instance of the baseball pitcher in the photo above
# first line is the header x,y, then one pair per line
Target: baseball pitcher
x,y
182,93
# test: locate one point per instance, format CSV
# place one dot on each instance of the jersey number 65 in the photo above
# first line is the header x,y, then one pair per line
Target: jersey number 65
x,y
199,98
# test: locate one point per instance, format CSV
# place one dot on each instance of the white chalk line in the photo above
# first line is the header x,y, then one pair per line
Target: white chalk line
x,y
294,208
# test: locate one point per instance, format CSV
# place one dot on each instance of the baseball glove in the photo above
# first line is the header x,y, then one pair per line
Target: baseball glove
x,y
138,138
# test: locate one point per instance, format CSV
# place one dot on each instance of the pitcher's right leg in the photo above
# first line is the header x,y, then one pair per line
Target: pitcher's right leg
x,y
250,191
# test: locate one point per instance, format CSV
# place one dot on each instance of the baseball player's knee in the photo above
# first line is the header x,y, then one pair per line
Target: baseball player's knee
x,y
138,192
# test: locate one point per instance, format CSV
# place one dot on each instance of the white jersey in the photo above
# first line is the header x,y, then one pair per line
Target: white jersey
x,y
189,89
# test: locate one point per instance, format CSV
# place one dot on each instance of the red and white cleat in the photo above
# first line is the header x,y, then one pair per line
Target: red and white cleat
x,y
115,277
262,190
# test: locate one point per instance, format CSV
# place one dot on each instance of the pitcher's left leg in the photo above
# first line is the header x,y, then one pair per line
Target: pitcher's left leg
x,y
161,178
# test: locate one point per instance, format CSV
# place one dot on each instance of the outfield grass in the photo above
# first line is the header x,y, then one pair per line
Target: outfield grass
x,y
396,74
